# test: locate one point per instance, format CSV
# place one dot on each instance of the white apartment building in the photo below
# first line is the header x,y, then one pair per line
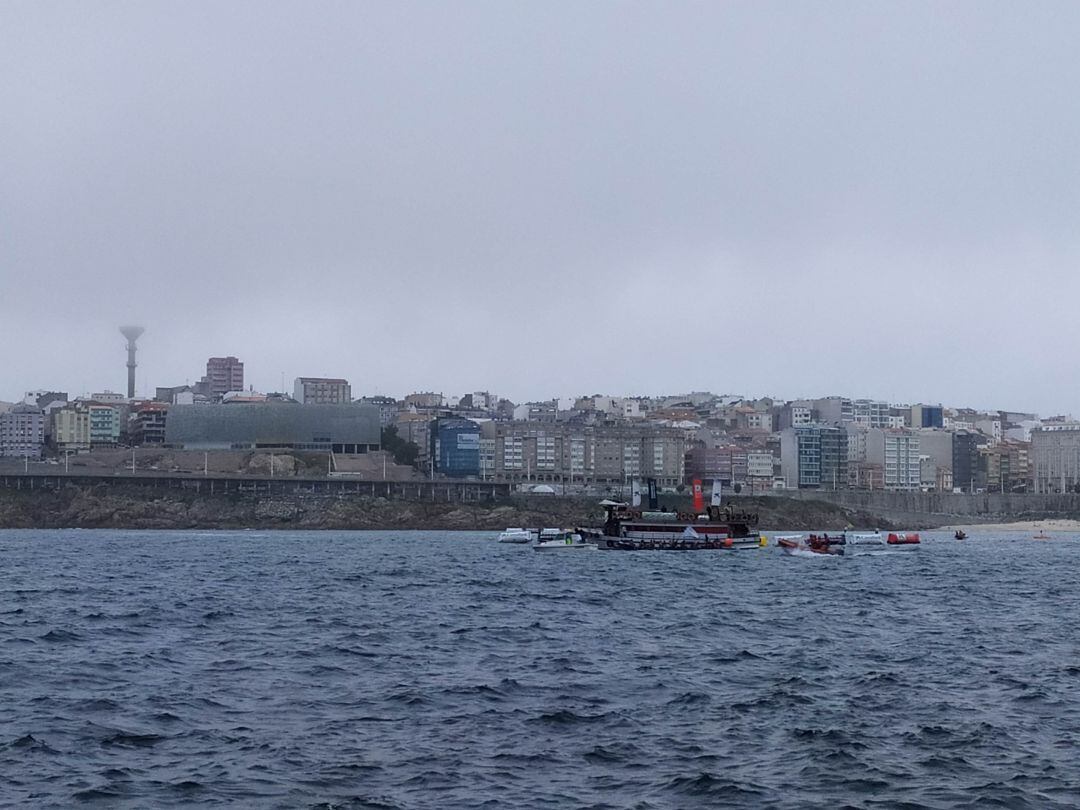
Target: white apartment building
x,y
897,452
1055,457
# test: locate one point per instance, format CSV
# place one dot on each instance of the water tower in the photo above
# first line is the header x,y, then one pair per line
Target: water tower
x,y
132,334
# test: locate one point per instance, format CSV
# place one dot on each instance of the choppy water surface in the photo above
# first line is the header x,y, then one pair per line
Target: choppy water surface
x,y
275,669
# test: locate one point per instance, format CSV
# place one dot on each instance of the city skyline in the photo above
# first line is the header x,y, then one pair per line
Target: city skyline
x,y
284,384
602,197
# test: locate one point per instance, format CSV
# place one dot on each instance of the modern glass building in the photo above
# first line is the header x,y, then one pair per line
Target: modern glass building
x,y
815,456
343,429
455,447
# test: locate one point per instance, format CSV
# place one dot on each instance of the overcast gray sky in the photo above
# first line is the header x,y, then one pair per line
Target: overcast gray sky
x,y
544,199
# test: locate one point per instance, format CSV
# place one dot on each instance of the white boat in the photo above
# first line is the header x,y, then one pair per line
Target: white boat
x,y
866,542
558,540
518,535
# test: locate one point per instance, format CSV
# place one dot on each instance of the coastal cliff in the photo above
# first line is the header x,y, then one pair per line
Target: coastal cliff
x,y
128,507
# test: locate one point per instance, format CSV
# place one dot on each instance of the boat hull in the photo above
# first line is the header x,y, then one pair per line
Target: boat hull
x,y
638,544
565,547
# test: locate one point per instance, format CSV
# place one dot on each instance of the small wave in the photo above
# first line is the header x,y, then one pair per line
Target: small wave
x,y
28,742
567,717
409,697
98,794
690,699
713,787
612,753
187,787
830,735
61,636
127,739
354,651
357,803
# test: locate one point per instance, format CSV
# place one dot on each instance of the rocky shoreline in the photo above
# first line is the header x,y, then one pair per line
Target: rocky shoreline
x,y
121,507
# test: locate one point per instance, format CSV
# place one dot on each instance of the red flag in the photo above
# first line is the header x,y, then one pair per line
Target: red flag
x,y
699,498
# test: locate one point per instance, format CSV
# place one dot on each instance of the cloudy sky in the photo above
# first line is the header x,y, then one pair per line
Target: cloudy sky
x,y
547,198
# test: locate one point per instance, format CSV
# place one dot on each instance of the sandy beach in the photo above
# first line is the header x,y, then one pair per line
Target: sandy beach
x,y
1019,526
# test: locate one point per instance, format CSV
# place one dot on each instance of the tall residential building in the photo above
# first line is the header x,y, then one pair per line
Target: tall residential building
x,y
147,423
936,458
815,456
22,432
1055,457
224,374
1007,466
587,454
968,473
104,425
322,391
71,429
896,451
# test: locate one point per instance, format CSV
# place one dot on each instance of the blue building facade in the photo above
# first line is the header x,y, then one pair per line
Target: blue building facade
x,y
933,416
455,447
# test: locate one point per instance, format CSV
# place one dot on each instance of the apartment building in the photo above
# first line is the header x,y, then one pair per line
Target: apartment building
x,y
322,391
814,456
1007,466
104,424
896,452
22,432
1055,457
223,374
71,429
531,451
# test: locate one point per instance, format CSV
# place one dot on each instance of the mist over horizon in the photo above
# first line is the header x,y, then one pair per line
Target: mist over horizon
x,y
545,200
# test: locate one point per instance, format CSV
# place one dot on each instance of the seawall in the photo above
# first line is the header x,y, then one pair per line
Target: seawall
x,y
134,506
941,508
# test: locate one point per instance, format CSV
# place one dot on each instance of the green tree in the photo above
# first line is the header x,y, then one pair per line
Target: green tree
x,y
403,452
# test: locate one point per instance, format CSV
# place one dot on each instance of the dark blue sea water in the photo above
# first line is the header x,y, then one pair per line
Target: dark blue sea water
x,y
441,670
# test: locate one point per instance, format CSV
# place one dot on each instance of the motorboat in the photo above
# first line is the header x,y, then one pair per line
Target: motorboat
x,y
864,542
518,535
559,540
814,544
847,544
960,534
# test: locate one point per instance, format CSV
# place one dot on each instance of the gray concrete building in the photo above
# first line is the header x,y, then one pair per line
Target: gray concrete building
x,y
936,459
223,374
1054,460
339,428
22,432
322,391
587,454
